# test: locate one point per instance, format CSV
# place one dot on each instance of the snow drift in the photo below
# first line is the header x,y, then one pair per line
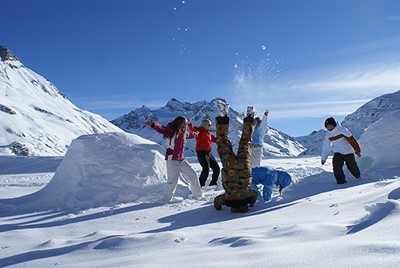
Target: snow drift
x,y
380,144
99,169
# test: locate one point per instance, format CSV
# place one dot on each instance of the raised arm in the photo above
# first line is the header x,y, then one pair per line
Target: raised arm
x,y
264,123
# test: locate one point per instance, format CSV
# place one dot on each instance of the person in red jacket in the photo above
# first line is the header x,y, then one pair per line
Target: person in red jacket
x,y
204,139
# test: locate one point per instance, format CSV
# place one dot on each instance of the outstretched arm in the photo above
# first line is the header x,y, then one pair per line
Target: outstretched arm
x,y
191,127
166,131
264,123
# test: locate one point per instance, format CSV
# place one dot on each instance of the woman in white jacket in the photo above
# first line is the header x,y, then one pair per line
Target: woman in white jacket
x,y
342,143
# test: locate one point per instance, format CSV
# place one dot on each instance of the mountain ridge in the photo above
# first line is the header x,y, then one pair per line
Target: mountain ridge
x,y
276,143
36,118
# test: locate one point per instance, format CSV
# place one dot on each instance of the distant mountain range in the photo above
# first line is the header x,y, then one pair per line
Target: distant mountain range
x,y
35,117
276,143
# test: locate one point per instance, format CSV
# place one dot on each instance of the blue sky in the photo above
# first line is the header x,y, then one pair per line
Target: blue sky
x,y
304,60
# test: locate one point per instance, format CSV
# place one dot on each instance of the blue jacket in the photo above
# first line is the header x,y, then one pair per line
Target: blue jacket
x,y
268,177
260,130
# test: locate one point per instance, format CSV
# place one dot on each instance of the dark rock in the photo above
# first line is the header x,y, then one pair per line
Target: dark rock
x,y
6,54
19,149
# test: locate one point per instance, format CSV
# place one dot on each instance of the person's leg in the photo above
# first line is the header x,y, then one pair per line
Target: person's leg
x,y
173,170
215,168
352,165
256,152
224,144
244,151
190,174
202,157
338,162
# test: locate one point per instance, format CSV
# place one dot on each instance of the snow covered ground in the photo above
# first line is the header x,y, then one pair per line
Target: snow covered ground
x,y
316,223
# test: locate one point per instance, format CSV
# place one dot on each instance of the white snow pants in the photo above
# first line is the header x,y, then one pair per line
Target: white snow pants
x,y
256,152
176,168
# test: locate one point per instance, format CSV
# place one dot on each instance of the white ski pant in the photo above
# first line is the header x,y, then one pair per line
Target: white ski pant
x,y
256,152
176,168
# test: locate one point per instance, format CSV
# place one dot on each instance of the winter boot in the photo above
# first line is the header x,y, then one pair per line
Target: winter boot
x,y
217,203
251,112
254,196
223,107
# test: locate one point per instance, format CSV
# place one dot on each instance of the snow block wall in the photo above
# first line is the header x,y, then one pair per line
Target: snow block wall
x,y
380,144
99,170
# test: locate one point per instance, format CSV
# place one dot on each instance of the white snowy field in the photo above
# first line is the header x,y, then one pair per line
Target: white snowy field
x,y
315,224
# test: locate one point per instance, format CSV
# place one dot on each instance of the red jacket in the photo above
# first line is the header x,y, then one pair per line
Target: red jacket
x,y
203,138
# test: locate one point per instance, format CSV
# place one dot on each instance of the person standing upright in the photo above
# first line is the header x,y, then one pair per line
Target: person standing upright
x,y
175,134
204,138
342,143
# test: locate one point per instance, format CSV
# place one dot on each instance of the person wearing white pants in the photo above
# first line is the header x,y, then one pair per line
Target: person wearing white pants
x,y
176,168
175,133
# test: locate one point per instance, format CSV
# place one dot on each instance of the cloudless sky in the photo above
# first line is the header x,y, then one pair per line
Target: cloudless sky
x,y
303,60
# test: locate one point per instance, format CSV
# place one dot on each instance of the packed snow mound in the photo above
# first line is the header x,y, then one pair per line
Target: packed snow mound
x,y
380,144
98,170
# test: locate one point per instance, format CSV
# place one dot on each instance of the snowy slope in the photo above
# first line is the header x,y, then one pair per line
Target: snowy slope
x,y
107,192
315,224
357,122
313,142
276,142
35,117
371,112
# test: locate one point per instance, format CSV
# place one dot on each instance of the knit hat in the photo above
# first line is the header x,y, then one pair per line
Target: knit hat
x,y
330,121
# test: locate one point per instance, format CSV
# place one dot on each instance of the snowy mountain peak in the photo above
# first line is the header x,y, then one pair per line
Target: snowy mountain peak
x,y
6,54
35,117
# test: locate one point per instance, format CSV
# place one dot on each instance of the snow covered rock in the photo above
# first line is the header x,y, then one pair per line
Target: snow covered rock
x,y
99,170
380,144
35,113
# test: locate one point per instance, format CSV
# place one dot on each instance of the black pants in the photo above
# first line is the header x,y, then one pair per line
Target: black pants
x,y
338,162
207,160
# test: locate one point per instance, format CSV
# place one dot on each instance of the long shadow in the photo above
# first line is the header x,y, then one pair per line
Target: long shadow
x,y
35,225
31,215
395,194
47,253
318,184
208,215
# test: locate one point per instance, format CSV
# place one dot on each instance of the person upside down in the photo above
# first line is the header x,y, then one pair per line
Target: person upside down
x,y
236,171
